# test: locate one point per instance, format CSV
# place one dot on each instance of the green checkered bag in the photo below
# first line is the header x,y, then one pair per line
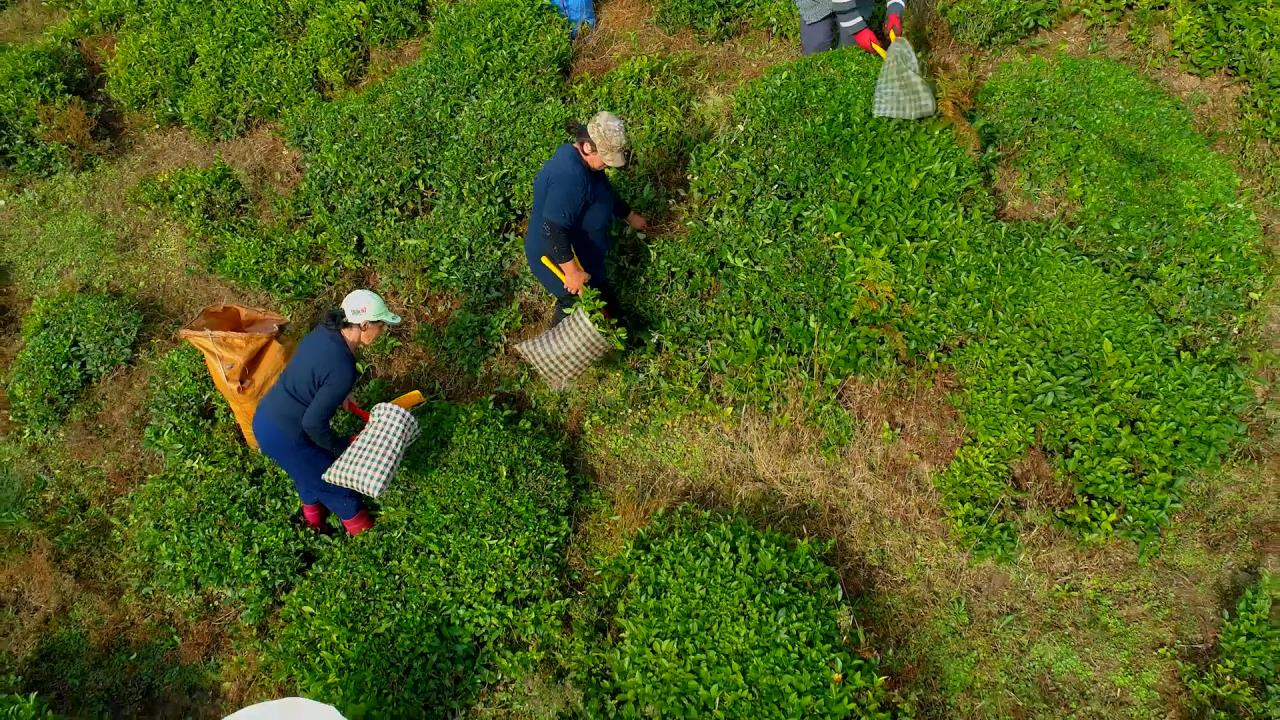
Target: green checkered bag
x,y
371,461
901,91
565,351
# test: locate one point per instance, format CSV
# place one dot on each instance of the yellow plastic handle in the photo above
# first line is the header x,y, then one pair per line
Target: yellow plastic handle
x,y
879,50
410,400
552,266
893,37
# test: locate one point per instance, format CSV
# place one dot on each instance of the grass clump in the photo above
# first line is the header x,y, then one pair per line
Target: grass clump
x,y
452,588
707,617
69,341
1242,38
44,124
1164,213
1243,681
218,67
215,526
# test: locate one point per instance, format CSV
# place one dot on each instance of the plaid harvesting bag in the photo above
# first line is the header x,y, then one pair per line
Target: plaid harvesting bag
x,y
901,92
565,351
372,460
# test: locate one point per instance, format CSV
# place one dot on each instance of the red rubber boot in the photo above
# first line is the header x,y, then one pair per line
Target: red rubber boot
x,y
314,514
358,524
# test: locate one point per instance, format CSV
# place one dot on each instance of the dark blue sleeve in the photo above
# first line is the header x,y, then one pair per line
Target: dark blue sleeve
x,y
333,389
565,201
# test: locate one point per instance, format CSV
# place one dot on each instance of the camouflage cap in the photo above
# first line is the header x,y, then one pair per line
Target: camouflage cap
x,y
610,138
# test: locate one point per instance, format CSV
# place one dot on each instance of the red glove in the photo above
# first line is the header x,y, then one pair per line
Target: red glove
x,y
865,39
355,410
893,25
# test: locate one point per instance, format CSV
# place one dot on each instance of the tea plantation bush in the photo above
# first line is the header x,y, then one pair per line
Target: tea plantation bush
x,y
1242,38
713,618
69,341
1058,354
215,206
1243,682
813,229
219,66
1162,212
39,87
655,96
428,171
994,23
451,588
214,526
719,19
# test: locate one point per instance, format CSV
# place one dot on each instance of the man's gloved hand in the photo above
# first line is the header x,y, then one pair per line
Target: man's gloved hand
x,y
893,23
866,39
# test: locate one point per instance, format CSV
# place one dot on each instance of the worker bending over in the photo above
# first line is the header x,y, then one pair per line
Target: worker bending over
x,y
822,21
574,206
292,422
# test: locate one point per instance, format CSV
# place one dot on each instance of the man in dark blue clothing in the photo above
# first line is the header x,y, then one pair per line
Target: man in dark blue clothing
x,y
291,422
574,207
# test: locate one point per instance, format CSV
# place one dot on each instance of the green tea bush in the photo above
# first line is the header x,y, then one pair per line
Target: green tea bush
x,y
812,231
1243,683
215,526
1059,355
1243,38
217,67
214,204
69,341
87,678
1163,212
40,86
720,19
655,96
708,617
24,707
449,590
428,171
995,23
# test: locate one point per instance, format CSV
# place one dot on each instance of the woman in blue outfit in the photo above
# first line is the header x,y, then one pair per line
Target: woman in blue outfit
x,y
292,422
574,207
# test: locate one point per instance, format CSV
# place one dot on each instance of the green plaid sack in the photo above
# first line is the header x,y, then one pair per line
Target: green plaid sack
x,y
565,351
901,92
371,461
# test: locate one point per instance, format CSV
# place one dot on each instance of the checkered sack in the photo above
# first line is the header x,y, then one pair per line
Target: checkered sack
x,y
901,92
565,351
371,461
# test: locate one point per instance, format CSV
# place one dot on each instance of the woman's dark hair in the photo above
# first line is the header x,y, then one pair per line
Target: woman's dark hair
x,y
577,131
336,319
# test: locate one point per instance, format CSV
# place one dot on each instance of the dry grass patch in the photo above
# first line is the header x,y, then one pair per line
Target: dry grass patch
x,y
25,20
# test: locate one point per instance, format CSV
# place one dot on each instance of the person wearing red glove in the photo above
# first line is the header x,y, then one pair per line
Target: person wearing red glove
x,y
822,21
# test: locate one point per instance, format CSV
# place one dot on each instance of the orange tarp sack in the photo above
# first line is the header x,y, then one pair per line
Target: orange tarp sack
x,y
242,349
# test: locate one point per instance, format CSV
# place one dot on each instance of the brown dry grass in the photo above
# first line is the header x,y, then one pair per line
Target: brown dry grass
x,y
25,20
626,28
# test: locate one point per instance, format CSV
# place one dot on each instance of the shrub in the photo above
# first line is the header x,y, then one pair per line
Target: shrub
x,y
1243,38
447,593
720,19
1243,682
1164,213
995,23
1061,356
215,526
24,707
655,96
218,67
811,238
39,88
429,170
214,204
708,617
69,341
